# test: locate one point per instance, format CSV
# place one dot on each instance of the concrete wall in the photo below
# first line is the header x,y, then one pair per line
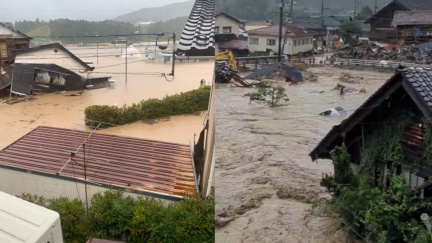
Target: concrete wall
x,y
289,49
16,183
208,171
48,56
224,21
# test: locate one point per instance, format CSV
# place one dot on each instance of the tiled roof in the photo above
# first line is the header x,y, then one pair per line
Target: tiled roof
x,y
198,37
315,23
416,82
420,83
274,31
148,167
418,17
416,4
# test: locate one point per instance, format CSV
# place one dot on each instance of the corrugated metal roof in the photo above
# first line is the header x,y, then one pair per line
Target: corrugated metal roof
x,y
143,165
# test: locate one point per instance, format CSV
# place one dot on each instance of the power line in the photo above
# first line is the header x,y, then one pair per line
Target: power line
x,y
99,36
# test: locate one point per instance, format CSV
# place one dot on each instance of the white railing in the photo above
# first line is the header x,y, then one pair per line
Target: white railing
x,y
376,63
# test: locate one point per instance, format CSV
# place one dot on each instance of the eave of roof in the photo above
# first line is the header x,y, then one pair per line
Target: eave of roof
x,y
59,46
230,16
367,21
16,31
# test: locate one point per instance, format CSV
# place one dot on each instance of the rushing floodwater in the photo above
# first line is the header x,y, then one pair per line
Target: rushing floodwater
x,y
265,180
62,111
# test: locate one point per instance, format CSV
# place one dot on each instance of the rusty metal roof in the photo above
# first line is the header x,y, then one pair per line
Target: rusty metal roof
x,y
142,165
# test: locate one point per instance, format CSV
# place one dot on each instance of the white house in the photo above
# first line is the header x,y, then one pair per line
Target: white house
x,y
267,38
257,24
227,24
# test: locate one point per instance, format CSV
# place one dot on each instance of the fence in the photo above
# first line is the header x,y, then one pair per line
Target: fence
x,y
375,63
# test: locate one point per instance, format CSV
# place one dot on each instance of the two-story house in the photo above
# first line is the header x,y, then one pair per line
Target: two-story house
x,y
266,39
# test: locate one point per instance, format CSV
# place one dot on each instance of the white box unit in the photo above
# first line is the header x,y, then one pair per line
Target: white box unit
x,y
22,221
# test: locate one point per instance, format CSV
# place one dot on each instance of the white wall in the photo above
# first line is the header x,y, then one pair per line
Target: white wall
x,y
16,183
48,56
223,21
7,31
289,49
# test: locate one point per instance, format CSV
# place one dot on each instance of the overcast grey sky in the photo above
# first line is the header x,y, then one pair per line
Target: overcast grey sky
x,y
92,10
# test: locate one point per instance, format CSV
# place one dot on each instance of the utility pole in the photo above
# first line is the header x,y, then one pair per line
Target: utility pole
x,y
376,6
280,30
322,24
97,52
286,30
356,2
126,61
85,177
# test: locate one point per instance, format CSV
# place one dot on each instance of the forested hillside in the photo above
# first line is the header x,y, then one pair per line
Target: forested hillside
x,y
41,30
163,13
261,9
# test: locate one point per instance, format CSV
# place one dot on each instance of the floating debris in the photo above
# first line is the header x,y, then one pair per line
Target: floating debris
x,y
277,71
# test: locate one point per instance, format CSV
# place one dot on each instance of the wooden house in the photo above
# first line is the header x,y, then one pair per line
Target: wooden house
x,y
11,40
390,132
381,21
413,27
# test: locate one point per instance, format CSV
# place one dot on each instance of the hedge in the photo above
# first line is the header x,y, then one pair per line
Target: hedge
x,y
112,216
178,104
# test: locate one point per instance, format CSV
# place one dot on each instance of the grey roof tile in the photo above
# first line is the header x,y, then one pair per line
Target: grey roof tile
x,y
420,81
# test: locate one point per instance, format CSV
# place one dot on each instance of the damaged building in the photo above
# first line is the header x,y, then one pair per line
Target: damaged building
x,y
51,68
11,40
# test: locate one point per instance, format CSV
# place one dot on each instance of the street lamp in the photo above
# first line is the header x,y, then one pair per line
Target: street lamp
x,y
164,47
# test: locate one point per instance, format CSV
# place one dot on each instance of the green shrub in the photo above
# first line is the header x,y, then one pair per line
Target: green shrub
x,y
113,216
178,104
72,218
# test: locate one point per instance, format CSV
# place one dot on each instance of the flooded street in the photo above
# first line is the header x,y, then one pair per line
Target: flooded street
x,y
266,182
59,110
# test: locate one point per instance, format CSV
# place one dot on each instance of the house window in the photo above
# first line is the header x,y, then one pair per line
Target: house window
x,y
226,30
48,77
271,42
303,42
3,50
216,29
295,42
253,41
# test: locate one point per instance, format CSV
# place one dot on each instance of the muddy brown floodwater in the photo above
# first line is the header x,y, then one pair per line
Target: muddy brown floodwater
x,y
62,111
265,181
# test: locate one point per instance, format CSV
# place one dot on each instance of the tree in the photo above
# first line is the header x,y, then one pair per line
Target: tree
x,y
350,31
365,13
266,91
